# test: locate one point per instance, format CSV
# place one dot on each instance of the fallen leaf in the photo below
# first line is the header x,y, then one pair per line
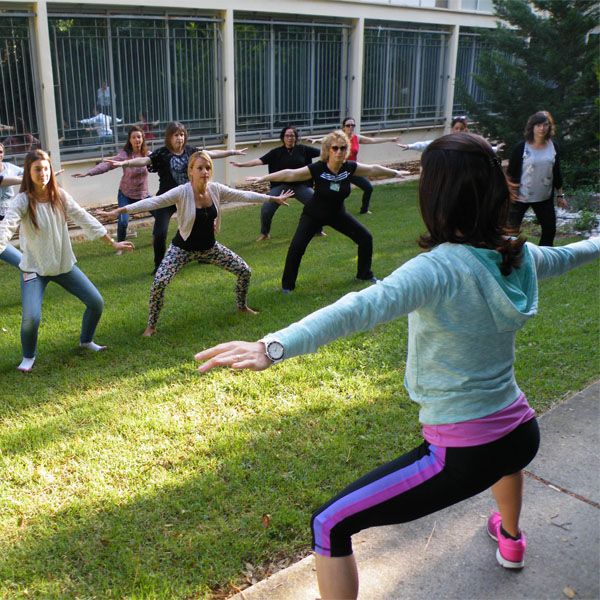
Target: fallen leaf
x,y
266,520
569,593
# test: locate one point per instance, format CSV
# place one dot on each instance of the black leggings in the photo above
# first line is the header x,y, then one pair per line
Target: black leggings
x,y
308,226
419,483
546,216
365,185
162,217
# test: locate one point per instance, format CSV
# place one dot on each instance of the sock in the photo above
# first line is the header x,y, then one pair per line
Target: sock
x,y
26,364
92,346
507,535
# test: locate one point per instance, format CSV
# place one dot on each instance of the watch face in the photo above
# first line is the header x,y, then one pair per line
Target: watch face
x,y
275,350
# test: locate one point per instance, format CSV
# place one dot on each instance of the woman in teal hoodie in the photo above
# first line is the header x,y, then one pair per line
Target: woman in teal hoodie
x,y
466,299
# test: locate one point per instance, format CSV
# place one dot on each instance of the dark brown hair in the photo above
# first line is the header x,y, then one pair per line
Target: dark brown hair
x,y
464,197
539,117
52,192
293,128
174,127
128,146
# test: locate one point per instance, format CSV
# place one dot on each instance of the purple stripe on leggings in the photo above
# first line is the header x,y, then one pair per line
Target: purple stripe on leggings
x,y
374,493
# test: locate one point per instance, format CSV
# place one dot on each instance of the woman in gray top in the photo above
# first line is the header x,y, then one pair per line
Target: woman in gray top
x,y
535,166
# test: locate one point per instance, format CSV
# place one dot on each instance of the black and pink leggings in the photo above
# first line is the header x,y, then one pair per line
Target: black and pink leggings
x,y
419,483
176,258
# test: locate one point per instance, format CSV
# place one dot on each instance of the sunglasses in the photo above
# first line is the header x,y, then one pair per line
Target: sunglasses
x,y
350,125
337,148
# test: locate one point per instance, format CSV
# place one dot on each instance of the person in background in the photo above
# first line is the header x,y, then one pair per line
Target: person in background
x,y
535,166
41,210
466,299
355,140
198,205
170,162
10,254
290,155
20,141
331,175
458,125
134,183
101,124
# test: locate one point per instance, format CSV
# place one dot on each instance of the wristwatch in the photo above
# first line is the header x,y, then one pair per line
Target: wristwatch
x,y
274,350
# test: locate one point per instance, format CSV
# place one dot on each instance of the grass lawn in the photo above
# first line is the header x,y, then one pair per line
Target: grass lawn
x,y
126,474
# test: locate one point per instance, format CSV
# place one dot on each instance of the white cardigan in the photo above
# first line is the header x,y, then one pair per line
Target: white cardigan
x,y
46,250
182,197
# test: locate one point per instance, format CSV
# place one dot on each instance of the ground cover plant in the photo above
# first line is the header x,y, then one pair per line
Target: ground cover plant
x,y
126,474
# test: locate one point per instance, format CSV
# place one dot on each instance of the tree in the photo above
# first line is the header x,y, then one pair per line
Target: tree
x,y
542,56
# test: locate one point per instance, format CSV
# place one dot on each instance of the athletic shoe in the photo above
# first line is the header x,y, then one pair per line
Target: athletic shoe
x,y
284,291
510,553
371,279
366,212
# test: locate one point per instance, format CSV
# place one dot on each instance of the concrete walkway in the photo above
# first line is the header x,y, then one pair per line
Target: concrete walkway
x,y
448,555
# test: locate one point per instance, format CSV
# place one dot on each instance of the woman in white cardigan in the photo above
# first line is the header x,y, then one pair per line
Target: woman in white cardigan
x,y
199,218
41,210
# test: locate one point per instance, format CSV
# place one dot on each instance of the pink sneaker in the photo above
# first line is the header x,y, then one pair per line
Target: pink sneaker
x,y
510,553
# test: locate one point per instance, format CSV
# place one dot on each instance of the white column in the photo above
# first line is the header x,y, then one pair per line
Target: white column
x,y
451,76
228,87
355,70
43,68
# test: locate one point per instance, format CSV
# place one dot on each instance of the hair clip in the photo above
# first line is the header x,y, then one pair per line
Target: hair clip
x,y
494,161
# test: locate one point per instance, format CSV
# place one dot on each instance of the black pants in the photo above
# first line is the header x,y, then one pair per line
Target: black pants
x,y
419,483
546,216
162,216
340,221
365,185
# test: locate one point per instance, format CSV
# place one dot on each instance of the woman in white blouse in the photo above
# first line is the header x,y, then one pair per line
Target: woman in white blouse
x,y
41,209
198,205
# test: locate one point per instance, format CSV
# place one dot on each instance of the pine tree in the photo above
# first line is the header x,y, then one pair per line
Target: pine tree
x,y
542,56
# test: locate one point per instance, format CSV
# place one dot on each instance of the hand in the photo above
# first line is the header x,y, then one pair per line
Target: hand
x,y
77,175
59,172
402,173
115,163
402,146
562,203
500,146
241,151
254,179
314,140
128,246
235,163
397,139
237,355
281,199
109,214
513,190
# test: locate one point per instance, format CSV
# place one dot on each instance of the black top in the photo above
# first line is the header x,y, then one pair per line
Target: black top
x,y
171,167
294,158
330,189
202,236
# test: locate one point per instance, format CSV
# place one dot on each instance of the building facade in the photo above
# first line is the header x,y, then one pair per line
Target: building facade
x,y
233,76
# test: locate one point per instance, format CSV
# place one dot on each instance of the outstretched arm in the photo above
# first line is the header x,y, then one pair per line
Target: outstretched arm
x,y
363,139
225,153
255,162
117,245
378,171
140,161
290,175
8,180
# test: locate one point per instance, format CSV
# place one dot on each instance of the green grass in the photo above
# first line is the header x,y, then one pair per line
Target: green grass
x,y
126,474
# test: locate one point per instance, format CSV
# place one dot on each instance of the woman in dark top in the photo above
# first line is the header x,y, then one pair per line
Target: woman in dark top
x,y
291,155
171,163
331,176
535,166
198,205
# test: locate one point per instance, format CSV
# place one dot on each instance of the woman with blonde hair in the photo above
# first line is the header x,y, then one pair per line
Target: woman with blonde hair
x,y
331,175
41,209
170,162
198,206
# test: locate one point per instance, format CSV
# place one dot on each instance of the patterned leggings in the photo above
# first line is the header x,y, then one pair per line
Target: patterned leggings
x,y
176,258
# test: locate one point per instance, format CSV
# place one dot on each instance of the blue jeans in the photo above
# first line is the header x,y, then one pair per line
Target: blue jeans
x,y
123,200
302,192
11,255
32,293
